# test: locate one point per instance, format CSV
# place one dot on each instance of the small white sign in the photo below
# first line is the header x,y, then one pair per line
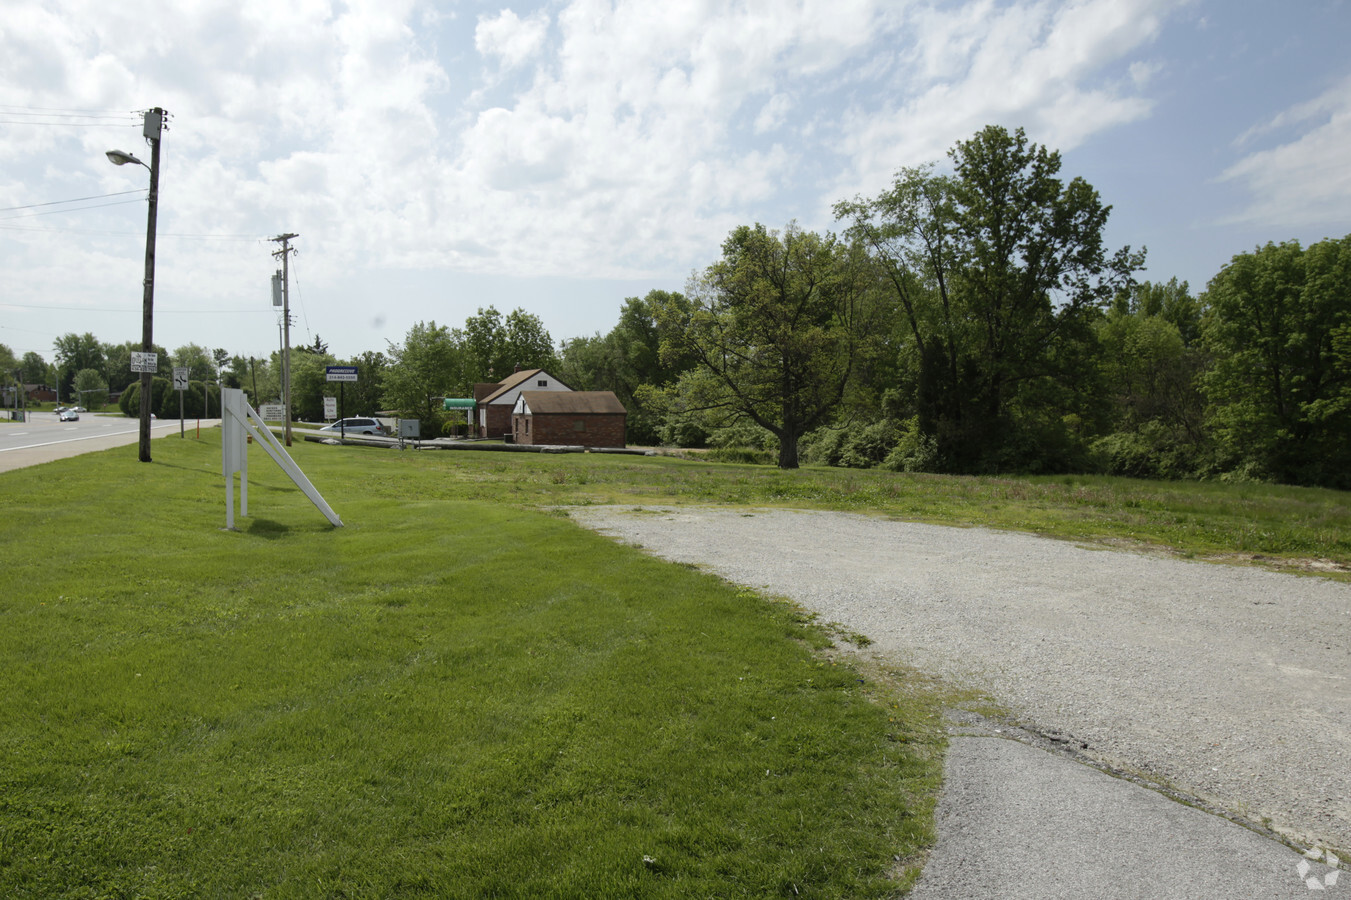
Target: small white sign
x,y
180,378
330,407
272,412
144,362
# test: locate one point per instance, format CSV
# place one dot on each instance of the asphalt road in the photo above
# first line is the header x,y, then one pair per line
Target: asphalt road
x,y
42,438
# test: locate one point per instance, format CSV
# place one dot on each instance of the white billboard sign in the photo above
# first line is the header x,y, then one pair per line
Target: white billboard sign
x,y
144,362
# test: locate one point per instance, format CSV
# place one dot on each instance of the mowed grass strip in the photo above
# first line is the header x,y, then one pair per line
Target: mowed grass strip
x,y
448,697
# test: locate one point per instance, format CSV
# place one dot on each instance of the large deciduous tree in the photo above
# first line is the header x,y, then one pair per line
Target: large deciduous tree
x,y
774,329
422,370
197,360
89,388
1278,323
75,352
495,347
998,270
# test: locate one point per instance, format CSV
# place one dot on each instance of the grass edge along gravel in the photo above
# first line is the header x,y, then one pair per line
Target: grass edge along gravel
x,y
447,697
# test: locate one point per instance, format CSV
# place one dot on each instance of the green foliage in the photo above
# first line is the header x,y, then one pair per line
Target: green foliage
x,y
914,451
628,361
495,347
774,327
35,369
998,271
160,391
198,361
365,396
742,433
309,385
852,446
89,389
1151,450
1277,322
749,456
195,400
73,353
422,371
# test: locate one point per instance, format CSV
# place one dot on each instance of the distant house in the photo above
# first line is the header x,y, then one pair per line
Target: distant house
x,y
571,418
40,393
496,401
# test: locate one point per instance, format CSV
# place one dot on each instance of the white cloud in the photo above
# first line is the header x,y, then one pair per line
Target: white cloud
x,y
1034,64
510,38
773,114
1304,180
599,138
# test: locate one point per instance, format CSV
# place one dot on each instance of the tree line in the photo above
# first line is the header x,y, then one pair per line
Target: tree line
x,y
969,321
408,379
974,322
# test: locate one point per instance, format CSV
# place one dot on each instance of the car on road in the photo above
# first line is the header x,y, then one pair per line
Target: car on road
x,y
356,426
68,415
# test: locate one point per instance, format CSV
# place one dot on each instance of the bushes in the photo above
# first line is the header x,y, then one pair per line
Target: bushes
x,y
853,447
164,400
1151,451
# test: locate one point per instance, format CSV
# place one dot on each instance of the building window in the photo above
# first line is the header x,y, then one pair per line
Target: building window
x,y
543,382
579,425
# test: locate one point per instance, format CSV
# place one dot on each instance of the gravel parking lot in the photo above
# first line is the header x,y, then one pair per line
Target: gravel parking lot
x,y
1228,684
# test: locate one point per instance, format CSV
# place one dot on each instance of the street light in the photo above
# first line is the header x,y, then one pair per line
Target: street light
x,y
154,124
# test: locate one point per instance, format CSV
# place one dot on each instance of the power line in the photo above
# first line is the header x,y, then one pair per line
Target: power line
x,y
110,309
72,124
57,110
74,118
252,238
75,200
53,212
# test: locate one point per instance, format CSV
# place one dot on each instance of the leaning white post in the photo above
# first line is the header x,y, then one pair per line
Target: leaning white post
x,y
239,421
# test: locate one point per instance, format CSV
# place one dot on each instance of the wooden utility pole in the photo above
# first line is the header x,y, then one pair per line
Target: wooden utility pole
x,y
285,254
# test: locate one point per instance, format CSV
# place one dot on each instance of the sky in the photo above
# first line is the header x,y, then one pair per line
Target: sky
x,y
435,158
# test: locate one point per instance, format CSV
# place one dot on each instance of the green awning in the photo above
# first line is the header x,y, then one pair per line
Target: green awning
x,y
451,403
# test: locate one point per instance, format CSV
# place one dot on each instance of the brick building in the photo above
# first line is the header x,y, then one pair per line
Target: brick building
x,y
496,401
570,418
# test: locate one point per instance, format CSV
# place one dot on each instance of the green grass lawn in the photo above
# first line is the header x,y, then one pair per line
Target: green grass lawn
x,y
459,694
462,694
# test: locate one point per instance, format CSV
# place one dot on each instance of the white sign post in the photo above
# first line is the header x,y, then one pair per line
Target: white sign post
x,y
144,362
238,423
330,408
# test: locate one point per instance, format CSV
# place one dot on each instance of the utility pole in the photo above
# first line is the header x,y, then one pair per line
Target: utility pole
x,y
285,254
152,130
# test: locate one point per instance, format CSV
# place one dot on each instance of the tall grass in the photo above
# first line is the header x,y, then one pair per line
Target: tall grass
x,y
1279,525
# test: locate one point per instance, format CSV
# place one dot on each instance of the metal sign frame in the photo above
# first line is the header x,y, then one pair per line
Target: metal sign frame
x,y
239,421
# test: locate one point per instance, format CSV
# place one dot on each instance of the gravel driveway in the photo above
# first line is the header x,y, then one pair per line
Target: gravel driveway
x,y
1228,684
